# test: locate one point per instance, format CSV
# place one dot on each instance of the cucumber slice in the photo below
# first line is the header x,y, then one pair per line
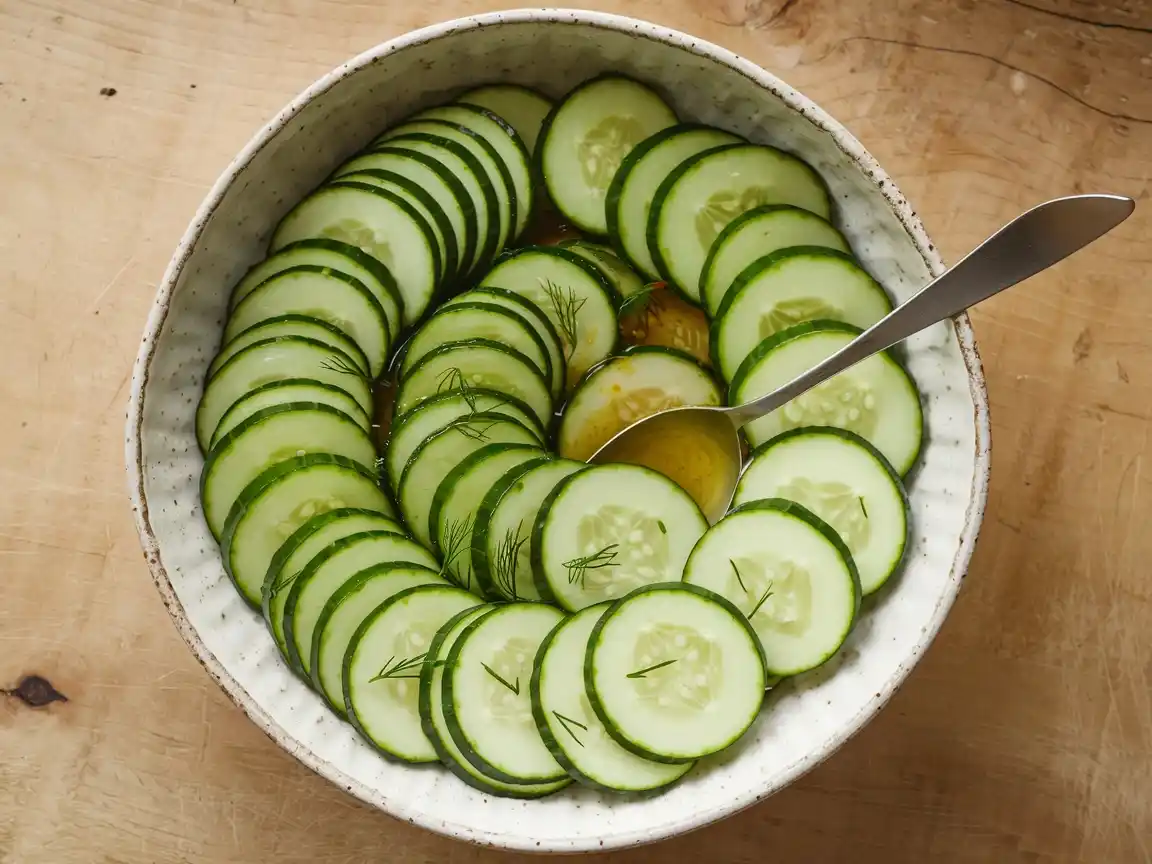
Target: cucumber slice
x,y
477,321
846,482
709,190
432,717
291,325
630,196
588,135
531,313
452,519
277,433
570,728
789,287
283,392
622,277
521,108
491,166
341,620
323,576
513,154
486,703
789,573
876,398
434,459
381,671
755,234
326,252
502,538
275,359
577,299
479,363
674,672
466,168
639,383
282,499
610,529
324,293
434,178
423,203
305,543
382,225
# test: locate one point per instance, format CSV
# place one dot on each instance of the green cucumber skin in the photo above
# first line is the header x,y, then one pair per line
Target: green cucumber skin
x,y
893,475
264,481
480,568
357,353
593,697
530,204
530,309
560,252
633,351
453,724
547,595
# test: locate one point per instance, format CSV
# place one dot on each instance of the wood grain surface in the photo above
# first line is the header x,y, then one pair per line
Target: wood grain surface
x,y
1025,734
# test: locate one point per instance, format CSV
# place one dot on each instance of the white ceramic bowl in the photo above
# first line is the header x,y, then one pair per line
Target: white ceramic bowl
x,y
805,720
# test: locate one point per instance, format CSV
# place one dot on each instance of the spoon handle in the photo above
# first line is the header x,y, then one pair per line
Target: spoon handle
x,y
1031,242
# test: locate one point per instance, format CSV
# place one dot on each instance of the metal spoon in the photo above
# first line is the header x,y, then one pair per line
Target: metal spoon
x,y
1031,242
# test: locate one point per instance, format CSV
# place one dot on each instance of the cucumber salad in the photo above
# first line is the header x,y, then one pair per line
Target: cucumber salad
x,y
397,423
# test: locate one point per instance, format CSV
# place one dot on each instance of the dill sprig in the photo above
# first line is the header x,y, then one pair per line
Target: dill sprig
x,y
638,300
453,379
477,432
568,723
401,668
506,561
736,570
762,600
340,364
456,534
643,673
515,688
863,509
578,567
566,307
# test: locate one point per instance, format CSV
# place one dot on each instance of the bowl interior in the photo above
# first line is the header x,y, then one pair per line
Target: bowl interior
x,y
806,718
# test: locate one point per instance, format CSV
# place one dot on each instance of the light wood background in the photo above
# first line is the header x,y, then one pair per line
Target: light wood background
x,y
1026,733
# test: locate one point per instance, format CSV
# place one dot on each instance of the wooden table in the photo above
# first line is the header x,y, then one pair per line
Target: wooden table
x,y
1026,733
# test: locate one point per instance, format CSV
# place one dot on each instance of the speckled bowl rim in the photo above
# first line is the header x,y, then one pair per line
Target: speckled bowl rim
x,y
642,30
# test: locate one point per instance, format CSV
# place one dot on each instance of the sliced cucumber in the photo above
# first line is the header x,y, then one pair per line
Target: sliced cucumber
x,y
432,717
531,313
292,325
789,287
639,383
570,728
433,177
433,414
709,190
304,544
578,300
273,435
348,608
630,196
466,168
478,321
521,108
610,529
876,398
502,538
486,704
847,483
755,234
514,156
282,499
324,293
423,203
491,165
382,225
275,359
326,252
381,671
623,278
587,137
452,519
283,392
434,459
789,573
333,567
674,672
479,363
